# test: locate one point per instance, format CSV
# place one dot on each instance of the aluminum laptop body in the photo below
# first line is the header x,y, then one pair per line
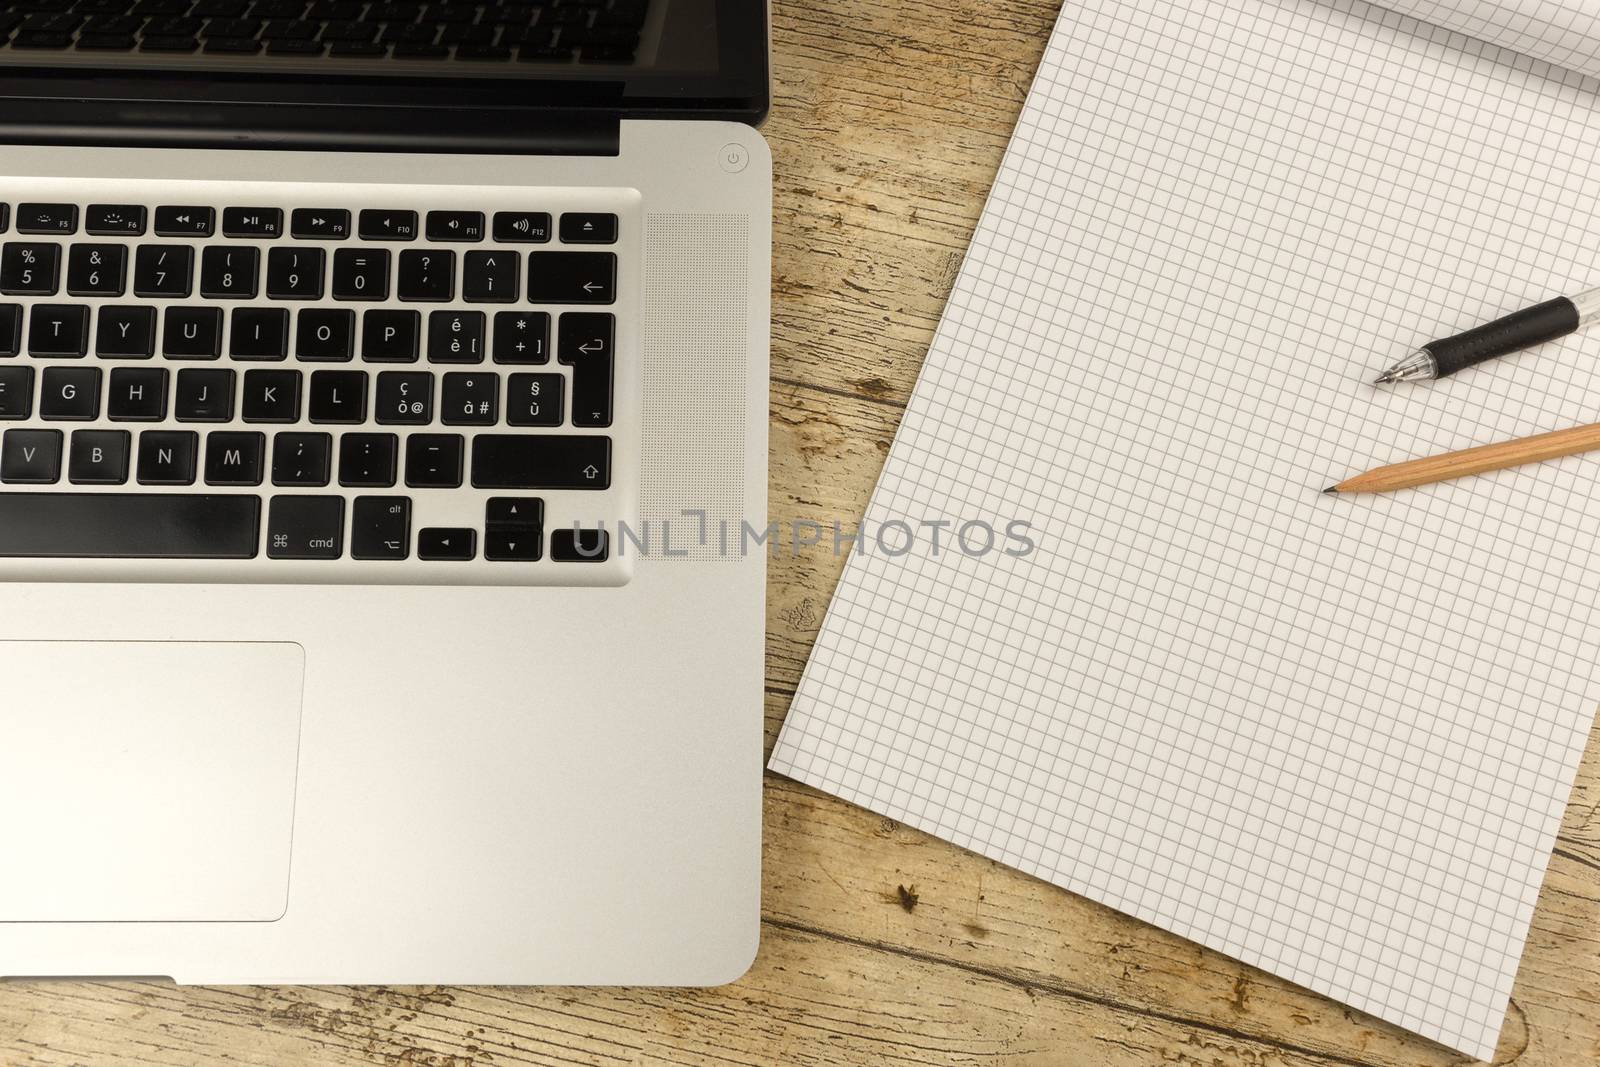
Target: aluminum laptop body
x,y
314,664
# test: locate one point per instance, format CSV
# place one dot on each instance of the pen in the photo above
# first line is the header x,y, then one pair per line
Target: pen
x,y
1498,456
1521,329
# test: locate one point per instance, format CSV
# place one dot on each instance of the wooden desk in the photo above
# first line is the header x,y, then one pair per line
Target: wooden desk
x,y
881,946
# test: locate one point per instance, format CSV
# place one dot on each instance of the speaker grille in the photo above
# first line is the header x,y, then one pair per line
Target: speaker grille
x,y
695,370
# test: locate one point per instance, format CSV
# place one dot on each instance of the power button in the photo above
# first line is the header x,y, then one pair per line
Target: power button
x,y
733,158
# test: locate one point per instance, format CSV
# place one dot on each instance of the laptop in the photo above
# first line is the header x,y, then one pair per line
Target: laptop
x,y
383,399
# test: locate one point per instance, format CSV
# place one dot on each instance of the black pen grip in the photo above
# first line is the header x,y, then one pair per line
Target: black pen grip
x,y
1518,330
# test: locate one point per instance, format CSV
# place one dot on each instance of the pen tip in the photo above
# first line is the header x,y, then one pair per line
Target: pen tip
x,y
1383,378
1331,489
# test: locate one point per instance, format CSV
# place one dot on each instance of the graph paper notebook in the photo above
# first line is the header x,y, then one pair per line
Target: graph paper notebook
x,y
1330,737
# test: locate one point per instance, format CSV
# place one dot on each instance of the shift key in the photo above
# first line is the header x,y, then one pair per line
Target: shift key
x,y
541,461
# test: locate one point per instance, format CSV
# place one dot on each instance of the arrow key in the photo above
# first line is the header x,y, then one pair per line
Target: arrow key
x,y
447,543
512,544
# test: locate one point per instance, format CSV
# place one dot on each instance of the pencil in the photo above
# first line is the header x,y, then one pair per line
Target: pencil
x,y
1477,460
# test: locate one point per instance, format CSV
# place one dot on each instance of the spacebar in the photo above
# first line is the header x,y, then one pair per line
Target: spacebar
x,y
129,525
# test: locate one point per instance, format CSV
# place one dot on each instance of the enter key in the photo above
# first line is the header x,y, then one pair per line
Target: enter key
x,y
586,341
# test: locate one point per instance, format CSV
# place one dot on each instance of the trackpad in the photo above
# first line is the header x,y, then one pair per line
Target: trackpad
x,y
147,781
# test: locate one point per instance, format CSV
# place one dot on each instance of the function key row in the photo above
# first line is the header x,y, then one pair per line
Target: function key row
x,y
234,272
311,224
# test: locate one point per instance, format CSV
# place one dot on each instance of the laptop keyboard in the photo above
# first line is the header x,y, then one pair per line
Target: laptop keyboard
x,y
327,391
536,31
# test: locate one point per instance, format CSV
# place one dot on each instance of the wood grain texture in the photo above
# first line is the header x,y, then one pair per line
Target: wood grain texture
x,y
882,946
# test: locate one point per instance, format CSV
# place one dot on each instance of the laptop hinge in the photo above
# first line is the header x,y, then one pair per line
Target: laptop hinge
x,y
232,124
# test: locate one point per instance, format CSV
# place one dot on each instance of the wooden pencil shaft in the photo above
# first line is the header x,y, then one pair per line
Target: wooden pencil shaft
x,y
1476,460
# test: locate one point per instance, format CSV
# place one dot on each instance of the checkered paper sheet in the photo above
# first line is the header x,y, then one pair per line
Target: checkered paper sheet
x,y
1329,736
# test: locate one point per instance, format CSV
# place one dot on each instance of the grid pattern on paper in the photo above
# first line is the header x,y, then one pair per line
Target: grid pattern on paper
x,y
1331,737
1564,32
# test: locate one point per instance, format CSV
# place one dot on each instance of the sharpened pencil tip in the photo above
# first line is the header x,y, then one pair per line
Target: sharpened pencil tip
x,y
1331,489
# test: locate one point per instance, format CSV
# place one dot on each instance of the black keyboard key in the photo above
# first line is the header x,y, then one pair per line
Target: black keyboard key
x,y
325,335
53,219
361,274
578,546
405,398
168,44
524,511
185,221
229,272
271,396
491,277
168,457
98,457
540,461
30,268
368,460
585,343
360,49
16,392
588,228
107,42
29,457
305,527
235,45
58,330
259,334
97,270
125,332
572,277
10,330
534,400
114,220
284,46
521,337
447,543
349,31
302,459
235,458
129,525
455,225
527,227
70,393
163,270
390,336
409,50
294,273
338,396
137,394
455,337
380,527
5,217
192,333
427,274
433,460
470,399
204,395
512,545
319,224
386,225
480,51
258,222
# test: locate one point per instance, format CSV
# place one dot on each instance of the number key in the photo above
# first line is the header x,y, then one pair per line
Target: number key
x,y
163,270
30,268
97,270
229,271
361,274
294,274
